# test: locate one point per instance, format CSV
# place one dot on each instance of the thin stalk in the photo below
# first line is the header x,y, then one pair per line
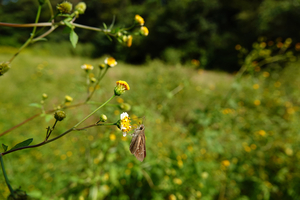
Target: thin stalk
x,y
89,27
26,25
40,144
59,136
94,111
5,175
106,124
94,89
36,115
31,35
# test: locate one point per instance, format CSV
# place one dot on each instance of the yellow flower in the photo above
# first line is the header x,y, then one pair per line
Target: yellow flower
x,y
255,86
172,197
121,87
112,137
87,67
262,132
110,62
125,123
226,163
144,30
257,102
129,40
102,66
177,181
139,20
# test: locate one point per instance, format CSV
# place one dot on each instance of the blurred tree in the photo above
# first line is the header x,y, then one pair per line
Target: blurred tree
x,y
206,30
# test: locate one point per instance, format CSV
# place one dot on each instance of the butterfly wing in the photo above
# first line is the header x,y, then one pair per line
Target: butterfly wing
x,y
138,144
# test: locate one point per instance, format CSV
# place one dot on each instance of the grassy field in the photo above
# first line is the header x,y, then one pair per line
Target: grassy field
x,y
207,135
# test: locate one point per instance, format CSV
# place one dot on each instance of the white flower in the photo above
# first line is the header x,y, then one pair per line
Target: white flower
x,y
125,123
110,62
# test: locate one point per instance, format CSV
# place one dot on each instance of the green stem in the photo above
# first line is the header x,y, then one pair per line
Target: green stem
x,y
89,27
106,124
94,89
5,175
36,20
31,35
59,136
94,111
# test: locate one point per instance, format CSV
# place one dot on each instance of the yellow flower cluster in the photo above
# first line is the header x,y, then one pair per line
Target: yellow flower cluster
x,y
139,20
125,123
124,84
110,62
144,30
87,67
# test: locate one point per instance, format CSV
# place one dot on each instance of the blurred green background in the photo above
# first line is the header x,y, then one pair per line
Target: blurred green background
x,y
210,133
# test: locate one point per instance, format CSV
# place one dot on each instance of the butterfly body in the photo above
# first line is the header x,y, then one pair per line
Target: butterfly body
x,y
138,143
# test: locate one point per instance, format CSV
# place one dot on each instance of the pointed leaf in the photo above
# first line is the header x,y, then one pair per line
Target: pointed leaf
x,y
73,38
48,117
113,22
104,25
120,40
23,144
109,38
4,147
68,24
36,105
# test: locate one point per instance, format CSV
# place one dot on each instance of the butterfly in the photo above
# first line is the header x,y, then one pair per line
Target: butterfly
x,y
138,143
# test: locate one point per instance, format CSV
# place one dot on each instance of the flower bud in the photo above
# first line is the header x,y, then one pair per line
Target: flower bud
x,y
144,31
119,34
124,38
18,195
68,98
4,67
129,40
80,7
139,20
121,87
103,118
64,7
93,79
125,106
59,115
44,96
101,66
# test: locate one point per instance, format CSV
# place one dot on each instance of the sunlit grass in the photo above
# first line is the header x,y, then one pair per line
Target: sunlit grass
x,y
196,146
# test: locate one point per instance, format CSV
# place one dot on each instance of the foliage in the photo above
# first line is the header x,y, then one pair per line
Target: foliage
x,y
197,145
205,30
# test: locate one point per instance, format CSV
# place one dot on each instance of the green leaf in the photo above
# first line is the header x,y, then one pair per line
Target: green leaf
x,y
120,40
109,38
113,22
48,117
104,25
68,24
23,144
37,105
4,147
73,38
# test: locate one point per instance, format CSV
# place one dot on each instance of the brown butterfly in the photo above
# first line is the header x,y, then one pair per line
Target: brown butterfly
x,y
138,143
